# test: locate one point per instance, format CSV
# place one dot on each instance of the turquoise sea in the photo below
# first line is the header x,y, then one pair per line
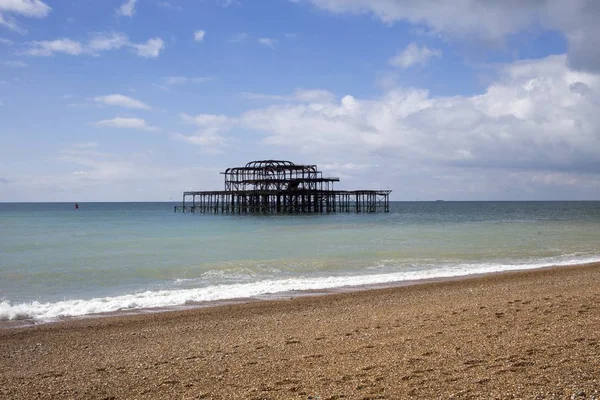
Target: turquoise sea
x,y
56,261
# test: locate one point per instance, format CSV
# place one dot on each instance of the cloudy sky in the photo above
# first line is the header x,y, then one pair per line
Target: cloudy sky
x,y
125,100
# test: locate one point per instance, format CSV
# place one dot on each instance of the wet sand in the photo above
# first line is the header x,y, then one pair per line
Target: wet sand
x,y
531,334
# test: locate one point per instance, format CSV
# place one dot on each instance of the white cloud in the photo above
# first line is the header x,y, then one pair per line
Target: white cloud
x,y
6,42
98,42
121,101
199,35
492,21
15,64
262,96
413,54
94,175
314,95
185,80
127,122
127,9
11,24
347,170
300,95
211,142
346,167
207,121
25,8
46,48
541,117
107,41
210,134
269,42
489,19
150,49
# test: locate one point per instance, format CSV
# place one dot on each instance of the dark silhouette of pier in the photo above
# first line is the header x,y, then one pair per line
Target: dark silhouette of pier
x,y
282,187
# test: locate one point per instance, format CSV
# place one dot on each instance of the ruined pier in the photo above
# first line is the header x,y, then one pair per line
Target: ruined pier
x,y
282,187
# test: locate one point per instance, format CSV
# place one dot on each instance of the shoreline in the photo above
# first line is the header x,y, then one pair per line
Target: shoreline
x,y
31,322
503,335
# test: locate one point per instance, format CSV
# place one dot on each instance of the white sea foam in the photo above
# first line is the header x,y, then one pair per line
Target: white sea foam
x,y
168,298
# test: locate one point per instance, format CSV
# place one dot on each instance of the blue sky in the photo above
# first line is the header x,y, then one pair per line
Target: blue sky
x,y
140,100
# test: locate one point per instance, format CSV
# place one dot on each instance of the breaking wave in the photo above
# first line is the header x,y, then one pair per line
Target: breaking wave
x,y
49,311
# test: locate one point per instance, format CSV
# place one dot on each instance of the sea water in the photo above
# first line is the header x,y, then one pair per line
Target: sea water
x,y
56,261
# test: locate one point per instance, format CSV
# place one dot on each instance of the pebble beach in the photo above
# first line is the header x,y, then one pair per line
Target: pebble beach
x,y
528,334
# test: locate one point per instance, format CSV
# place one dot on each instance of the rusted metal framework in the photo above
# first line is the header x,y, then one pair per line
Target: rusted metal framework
x,y
282,187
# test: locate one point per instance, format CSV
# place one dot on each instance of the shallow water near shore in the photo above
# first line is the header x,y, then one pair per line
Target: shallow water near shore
x,y
56,261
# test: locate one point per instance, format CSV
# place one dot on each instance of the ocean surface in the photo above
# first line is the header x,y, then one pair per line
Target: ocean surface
x,y
56,261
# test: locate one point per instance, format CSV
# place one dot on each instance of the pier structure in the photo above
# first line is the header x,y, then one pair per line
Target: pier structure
x,y
282,187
